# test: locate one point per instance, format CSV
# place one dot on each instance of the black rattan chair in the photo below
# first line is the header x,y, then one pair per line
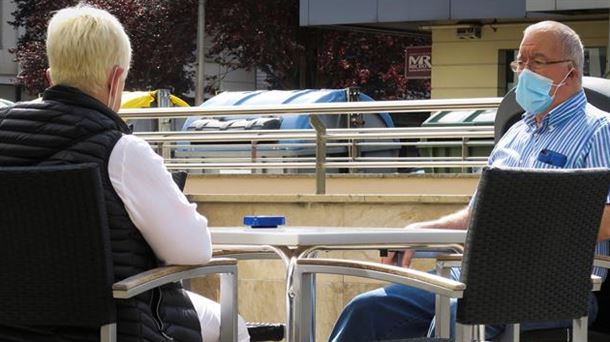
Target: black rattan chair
x,y
57,274
179,178
509,112
528,254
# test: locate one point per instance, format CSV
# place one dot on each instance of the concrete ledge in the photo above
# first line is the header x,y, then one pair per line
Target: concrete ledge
x,y
329,198
339,184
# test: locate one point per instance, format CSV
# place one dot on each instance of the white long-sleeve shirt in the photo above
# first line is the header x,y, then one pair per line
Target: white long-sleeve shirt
x,y
176,232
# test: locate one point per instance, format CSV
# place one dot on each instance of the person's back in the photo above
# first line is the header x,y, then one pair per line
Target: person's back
x,y
151,222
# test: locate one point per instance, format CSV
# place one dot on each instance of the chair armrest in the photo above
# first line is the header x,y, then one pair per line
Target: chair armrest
x,y
399,275
601,261
597,282
449,260
245,254
159,276
455,260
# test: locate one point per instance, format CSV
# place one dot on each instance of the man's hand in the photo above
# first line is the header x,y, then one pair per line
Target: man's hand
x,y
457,220
402,258
393,258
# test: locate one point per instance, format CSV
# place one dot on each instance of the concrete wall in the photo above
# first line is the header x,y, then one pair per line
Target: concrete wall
x,y
463,68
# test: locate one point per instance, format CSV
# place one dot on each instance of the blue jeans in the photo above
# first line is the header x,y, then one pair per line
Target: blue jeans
x,y
398,311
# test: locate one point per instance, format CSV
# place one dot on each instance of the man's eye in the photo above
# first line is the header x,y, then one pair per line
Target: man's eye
x,y
536,63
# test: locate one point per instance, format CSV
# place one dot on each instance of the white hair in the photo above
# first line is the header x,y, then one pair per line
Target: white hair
x,y
83,45
568,38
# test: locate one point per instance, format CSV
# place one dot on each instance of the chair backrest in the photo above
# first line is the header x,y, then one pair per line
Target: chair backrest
x,y
179,178
55,256
530,245
509,112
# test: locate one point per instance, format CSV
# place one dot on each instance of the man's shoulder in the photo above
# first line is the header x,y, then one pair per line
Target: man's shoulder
x,y
597,117
28,106
133,146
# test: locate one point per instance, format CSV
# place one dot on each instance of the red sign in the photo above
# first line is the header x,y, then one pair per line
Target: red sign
x,y
418,62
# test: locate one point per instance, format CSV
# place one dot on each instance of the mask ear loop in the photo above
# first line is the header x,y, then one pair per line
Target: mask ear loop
x,y
562,82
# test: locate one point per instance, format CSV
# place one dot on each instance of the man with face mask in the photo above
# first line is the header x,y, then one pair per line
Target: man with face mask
x,y
559,129
151,222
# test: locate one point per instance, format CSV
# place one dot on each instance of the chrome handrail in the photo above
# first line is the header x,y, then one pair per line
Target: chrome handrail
x,y
328,137
312,165
314,108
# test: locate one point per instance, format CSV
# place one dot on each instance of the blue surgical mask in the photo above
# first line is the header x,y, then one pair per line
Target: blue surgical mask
x,y
533,91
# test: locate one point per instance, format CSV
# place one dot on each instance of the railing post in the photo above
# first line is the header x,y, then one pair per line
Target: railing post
x,y
465,153
354,120
164,123
320,153
253,156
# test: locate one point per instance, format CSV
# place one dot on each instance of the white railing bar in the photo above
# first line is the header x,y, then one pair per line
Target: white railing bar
x,y
311,159
315,108
312,165
425,143
330,130
311,136
268,146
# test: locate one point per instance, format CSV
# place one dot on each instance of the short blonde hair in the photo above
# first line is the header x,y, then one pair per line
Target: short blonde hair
x,y
83,45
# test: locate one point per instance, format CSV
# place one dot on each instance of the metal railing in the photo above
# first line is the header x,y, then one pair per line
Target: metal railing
x,y
275,149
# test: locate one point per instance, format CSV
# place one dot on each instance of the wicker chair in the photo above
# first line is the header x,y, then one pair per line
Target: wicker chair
x,y
509,112
56,262
528,255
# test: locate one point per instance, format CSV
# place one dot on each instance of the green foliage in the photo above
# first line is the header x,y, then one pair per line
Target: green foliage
x,y
266,35
162,34
245,34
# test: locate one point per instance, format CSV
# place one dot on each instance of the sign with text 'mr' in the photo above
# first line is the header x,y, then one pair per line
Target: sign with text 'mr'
x,y
418,62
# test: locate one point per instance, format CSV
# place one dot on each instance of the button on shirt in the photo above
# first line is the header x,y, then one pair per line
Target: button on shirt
x,y
576,131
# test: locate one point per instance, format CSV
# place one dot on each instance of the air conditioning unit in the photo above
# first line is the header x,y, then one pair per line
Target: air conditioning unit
x,y
471,32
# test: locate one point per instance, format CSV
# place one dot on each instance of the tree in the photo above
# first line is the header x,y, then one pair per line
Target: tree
x,y
250,34
245,34
373,62
162,34
266,35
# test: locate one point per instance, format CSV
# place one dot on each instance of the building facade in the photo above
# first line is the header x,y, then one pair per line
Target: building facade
x,y
8,66
473,41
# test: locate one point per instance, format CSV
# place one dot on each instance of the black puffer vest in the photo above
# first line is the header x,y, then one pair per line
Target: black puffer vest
x,y
68,126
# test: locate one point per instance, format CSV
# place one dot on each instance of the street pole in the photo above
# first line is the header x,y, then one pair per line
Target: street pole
x,y
200,82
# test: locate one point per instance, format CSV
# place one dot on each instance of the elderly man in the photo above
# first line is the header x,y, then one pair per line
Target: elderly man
x,y
151,222
558,130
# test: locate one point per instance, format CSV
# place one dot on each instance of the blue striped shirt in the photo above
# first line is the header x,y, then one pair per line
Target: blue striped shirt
x,y
574,129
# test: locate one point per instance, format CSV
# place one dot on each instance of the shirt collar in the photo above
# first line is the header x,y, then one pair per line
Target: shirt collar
x,y
560,114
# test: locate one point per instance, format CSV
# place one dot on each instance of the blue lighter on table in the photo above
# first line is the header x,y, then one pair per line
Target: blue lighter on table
x,y
264,221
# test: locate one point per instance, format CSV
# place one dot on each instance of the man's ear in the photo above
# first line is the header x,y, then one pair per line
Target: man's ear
x,y
48,76
114,88
574,73
115,78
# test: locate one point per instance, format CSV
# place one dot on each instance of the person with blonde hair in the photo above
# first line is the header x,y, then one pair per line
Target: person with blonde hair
x,y
151,222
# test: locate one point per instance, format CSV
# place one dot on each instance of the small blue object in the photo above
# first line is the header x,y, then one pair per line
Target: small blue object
x,y
552,157
264,221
